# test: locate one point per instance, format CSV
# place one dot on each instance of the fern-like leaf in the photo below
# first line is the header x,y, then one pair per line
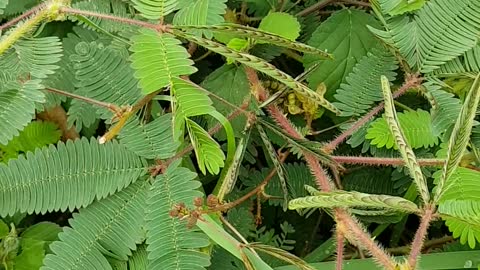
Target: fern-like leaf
x,y
445,108
416,126
353,199
69,176
153,140
201,12
459,138
34,135
34,57
103,74
208,152
264,67
404,148
155,9
157,58
463,219
439,32
276,162
467,64
171,245
18,107
465,185
112,226
362,88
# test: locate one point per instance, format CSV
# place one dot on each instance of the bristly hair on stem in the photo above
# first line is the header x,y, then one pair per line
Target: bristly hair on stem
x,y
410,82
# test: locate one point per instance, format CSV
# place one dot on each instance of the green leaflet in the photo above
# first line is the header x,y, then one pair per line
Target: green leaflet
x,y
282,24
103,74
34,135
3,4
398,7
156,9
111,226
94,172
153,140
464,185
171,245
257,34
210,227
192,100
467,64
404,148
139,259
201,12
463,219
264,67
361,88
157,58
18,107
230,83
208,152
416,126
435,36
353,199
459,138
445,108
345,35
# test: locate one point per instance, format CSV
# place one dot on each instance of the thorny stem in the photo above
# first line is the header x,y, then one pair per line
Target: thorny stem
x,y
321,177
22,16
412,81
420,235
340,242
363,239
112,107
378,161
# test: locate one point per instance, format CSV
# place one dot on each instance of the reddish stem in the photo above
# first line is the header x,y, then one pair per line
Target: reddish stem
x,y
22,16
409,83
158,27
420,235
321,177
340,242
364,240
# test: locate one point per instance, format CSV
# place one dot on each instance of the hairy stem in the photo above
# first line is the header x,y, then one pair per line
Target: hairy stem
x,y
112,107
20,31
411,82
340,242
22,16
355,230
420,235
158,27
362,239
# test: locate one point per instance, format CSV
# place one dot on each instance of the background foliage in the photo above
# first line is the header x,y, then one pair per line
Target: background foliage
x,y
118,119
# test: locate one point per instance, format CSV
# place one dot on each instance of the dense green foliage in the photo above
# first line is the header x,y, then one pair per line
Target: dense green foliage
x,y
254,134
